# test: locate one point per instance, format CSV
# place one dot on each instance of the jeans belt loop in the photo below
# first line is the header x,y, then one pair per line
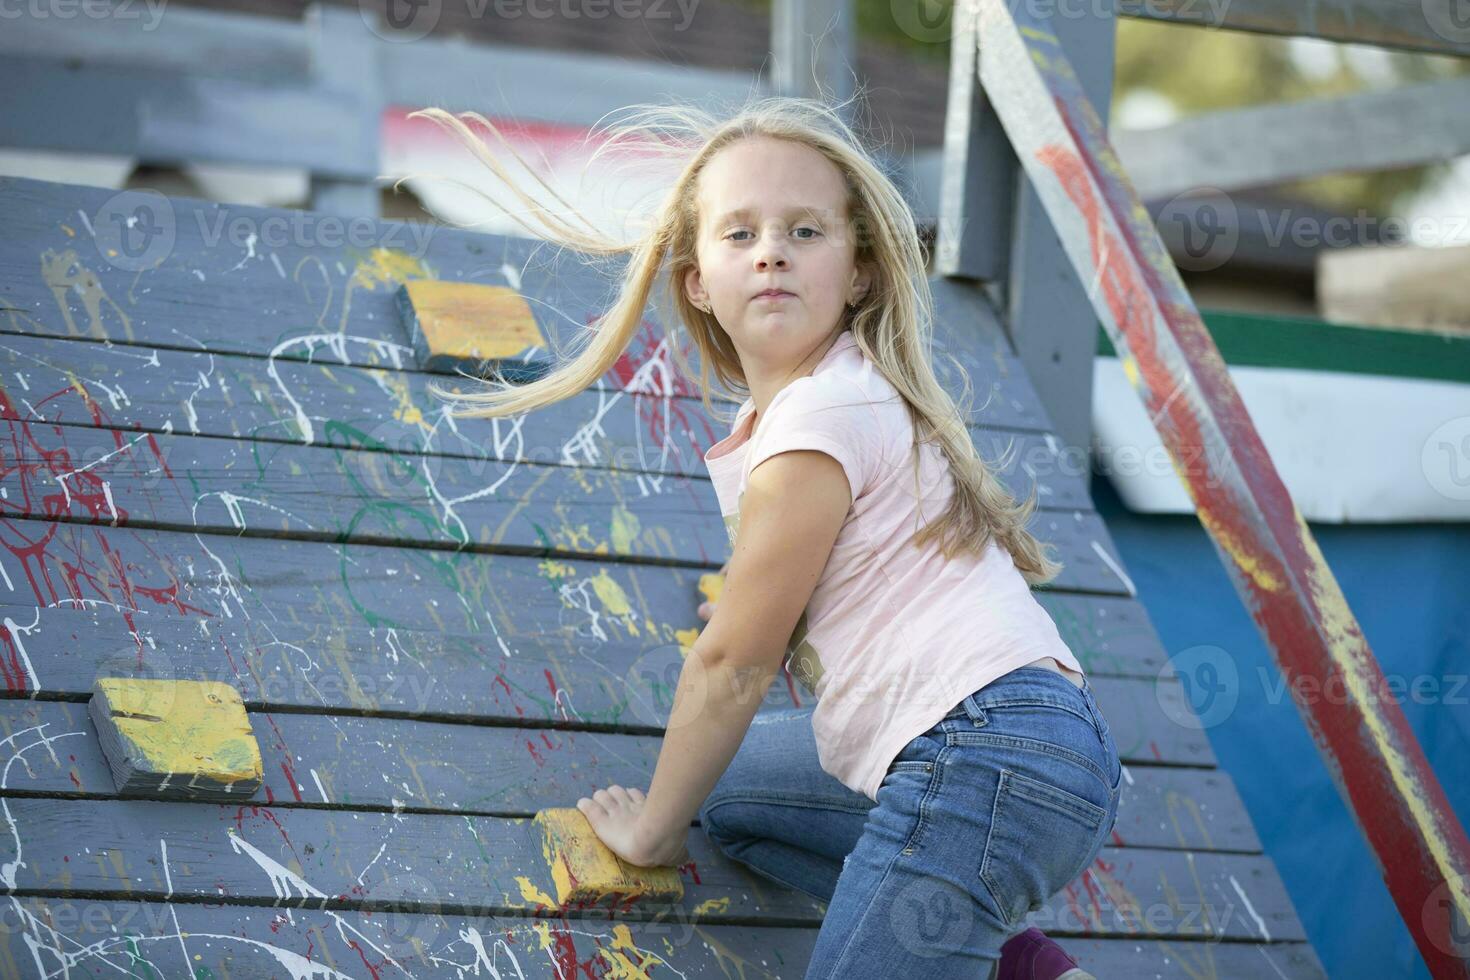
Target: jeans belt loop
x,y
976,713
1092,709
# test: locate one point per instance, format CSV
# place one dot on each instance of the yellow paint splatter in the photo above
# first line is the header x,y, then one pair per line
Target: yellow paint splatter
x,y
686,640
737,965
533,895
713,905
404,410
1247,563
625,528
712,586
551,568
386,267
613,598
1130,369
621,965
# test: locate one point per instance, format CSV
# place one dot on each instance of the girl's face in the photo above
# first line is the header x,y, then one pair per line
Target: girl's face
x,y
773,215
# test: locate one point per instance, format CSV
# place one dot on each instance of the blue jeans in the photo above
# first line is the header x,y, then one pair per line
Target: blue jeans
x,y
978,822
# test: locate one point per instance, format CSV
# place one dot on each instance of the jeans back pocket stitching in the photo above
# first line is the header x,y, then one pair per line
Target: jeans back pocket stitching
x,y
1033,745
985,881
1064,801
936,770
1008,781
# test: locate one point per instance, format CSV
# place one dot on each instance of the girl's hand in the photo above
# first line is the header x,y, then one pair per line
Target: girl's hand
x,y
615,814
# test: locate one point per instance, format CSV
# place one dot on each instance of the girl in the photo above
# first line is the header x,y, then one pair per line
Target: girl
x,y
955,771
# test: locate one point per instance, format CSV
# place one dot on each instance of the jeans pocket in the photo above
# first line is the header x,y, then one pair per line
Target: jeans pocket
x,y
1041,836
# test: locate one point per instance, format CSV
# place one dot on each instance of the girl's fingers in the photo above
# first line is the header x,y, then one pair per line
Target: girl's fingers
x,y
636,793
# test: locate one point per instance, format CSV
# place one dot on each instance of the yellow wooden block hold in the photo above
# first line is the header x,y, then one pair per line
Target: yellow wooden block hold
x,y
464,323
174,738
585,871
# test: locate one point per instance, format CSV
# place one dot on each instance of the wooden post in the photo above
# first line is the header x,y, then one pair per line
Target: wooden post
x,y
992,226
813,49
344,56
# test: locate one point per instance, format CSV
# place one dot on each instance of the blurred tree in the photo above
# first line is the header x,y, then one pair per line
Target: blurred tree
x,y
1201,69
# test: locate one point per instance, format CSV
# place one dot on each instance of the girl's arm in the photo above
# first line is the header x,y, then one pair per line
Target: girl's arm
x,y
790,515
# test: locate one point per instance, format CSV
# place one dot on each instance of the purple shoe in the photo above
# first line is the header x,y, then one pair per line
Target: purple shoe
x,y
1030,955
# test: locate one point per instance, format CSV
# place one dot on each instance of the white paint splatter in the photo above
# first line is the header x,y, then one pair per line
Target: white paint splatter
x,y
1260,922
318,780
1116,568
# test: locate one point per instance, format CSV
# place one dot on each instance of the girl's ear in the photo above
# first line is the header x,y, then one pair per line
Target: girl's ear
x,y
694,287
862,281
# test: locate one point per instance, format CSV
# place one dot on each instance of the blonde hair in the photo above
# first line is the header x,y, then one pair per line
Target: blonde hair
x,y
892,322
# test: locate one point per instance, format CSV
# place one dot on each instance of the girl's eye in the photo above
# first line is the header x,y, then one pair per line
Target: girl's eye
x,y
743,231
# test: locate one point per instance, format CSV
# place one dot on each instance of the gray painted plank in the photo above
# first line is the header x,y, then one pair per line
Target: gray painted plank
x,y
162,116
222,44
384,670
481,865
1111,636
289,656
75,382
226,486
385,763
318,287
112,938
1260,146
437,633
1433,26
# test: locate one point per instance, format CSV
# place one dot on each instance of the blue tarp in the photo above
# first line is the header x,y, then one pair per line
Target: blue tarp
x,y
1409,586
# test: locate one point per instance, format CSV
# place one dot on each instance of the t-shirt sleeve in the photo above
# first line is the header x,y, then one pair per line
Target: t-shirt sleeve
x,y
829,415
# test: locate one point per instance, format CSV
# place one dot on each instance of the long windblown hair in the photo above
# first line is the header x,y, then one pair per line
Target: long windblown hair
x,y
892,323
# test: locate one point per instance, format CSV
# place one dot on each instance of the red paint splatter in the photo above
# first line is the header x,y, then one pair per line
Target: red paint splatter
x,y
285,757
555,693
374,970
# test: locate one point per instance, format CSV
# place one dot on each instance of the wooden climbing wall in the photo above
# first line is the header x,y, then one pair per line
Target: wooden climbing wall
x,y
222,462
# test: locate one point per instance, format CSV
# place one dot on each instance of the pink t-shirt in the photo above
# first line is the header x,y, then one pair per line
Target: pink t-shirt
x,y
894,636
